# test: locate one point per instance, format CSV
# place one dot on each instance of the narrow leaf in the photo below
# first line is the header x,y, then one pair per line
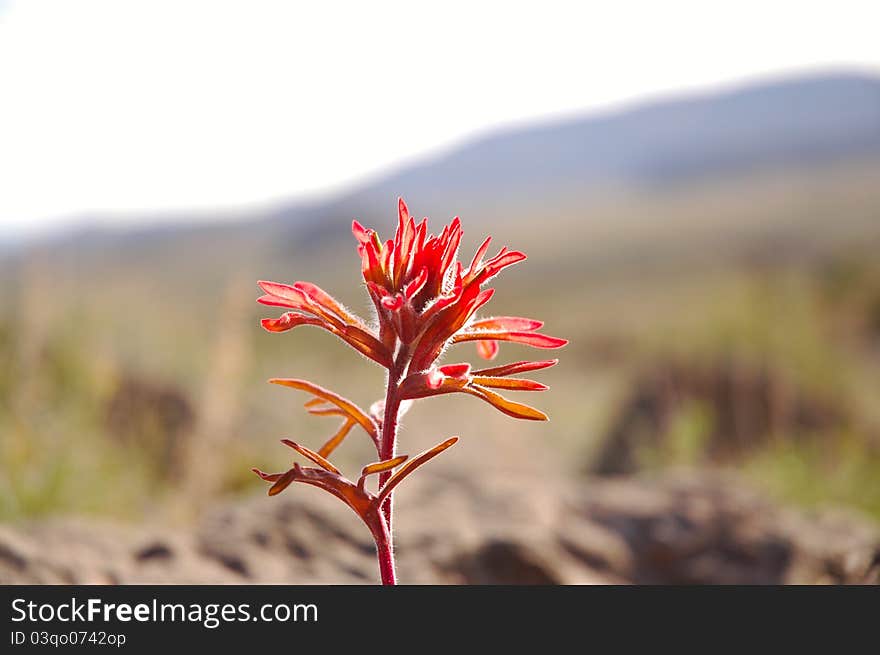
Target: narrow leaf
x,y
337,438
349,407
509,407
514,384
410,466
312,455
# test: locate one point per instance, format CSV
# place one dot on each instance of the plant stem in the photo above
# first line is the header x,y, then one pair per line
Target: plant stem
x,y
388,443
384,551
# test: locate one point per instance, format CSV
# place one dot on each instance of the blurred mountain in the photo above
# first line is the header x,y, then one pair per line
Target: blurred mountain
x,y
812,122
792,123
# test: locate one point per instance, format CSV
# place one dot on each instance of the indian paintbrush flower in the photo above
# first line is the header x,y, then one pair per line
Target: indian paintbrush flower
x,y
425,301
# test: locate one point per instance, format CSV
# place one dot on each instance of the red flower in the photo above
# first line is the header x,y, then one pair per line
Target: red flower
x,y
425,301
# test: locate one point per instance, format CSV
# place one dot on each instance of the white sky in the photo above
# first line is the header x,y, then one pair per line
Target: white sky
x,y
111,105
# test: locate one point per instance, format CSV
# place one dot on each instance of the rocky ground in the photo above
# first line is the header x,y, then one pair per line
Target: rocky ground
x,y
676,529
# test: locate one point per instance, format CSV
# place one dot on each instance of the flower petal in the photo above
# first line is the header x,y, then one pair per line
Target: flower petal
x,y
516,367
460,371
528,338
487,349
506,323
288,321
316,294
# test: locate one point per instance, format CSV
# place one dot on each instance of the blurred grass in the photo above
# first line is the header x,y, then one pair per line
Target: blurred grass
x,y
777,271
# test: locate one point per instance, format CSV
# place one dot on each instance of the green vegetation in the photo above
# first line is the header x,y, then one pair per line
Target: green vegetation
x,y
758,272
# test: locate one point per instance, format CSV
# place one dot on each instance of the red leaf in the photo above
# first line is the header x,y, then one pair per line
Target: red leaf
x,y
514,384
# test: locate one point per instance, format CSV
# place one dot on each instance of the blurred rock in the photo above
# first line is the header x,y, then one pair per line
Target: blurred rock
x,y
746,405
676,529
154,418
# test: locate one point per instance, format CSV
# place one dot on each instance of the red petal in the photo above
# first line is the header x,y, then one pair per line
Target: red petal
x,y
434,379
318,295
288,321
282,292
478,258
500,261
416,284
507,323
362,234
516,367
487,349
528,338
459,371
392,303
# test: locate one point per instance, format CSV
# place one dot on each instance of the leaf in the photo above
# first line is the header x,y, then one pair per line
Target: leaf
x,y
380,467
283,482
268,477
337,438
514,384
346,405
410,466
387,465
509,407
312,455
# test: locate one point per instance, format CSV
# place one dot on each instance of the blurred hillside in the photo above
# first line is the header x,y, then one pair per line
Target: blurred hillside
x,y
713,261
